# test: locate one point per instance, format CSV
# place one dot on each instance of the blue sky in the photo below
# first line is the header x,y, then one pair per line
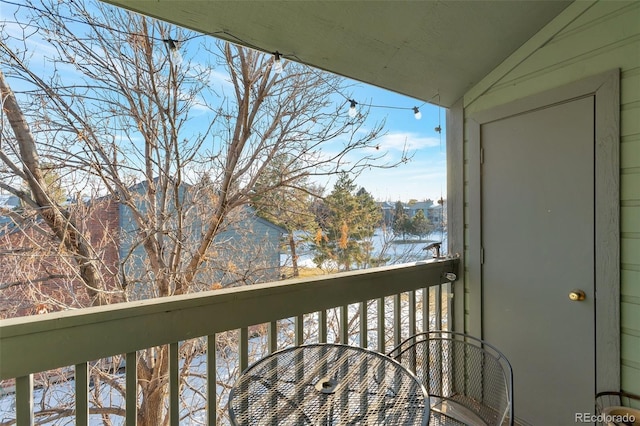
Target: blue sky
x,y
422,177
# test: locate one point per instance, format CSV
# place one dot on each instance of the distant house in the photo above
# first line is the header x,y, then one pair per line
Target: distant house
x,y
35,276
388,210
246,251
7,203
434,212
413,208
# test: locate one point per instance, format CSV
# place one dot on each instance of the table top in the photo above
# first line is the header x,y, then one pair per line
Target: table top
x,y
328,384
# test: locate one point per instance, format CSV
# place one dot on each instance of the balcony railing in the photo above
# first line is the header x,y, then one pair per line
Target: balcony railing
x,y
374,308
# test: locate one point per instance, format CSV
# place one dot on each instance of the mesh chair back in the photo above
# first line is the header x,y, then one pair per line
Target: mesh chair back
x,y
462,369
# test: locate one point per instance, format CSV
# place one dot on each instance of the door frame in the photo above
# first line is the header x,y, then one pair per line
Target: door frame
x,y
606,90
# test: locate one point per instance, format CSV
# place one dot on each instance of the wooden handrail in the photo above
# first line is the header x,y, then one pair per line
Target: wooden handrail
x,y
33,344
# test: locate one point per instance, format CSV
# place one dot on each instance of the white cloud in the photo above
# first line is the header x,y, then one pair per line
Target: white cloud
x,y
219,78
397,141
215,78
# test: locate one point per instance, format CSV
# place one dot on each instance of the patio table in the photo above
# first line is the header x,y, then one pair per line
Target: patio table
x,y
328,384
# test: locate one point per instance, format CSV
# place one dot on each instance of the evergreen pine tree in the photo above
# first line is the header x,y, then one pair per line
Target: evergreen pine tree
x,y
350,222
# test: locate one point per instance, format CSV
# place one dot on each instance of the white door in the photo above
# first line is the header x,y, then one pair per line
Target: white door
x,y
538,246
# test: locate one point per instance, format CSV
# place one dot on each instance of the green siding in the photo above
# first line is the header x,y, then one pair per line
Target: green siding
x,y
630,286
631,346
629,123
630,222
630,318
629,185
595,39
630,86
629,153
629,253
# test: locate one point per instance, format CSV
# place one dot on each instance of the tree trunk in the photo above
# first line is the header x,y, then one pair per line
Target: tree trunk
x,y
60,222
294,256
153,369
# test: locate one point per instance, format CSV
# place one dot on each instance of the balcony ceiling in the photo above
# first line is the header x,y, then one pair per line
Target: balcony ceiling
x,y
418,48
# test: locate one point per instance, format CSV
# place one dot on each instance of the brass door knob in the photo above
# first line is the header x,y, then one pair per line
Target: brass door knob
x,y
577,295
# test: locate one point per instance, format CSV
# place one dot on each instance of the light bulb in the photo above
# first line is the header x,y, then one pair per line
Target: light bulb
x,y
171,43
174,50
177,56
277,63
416,113
352,109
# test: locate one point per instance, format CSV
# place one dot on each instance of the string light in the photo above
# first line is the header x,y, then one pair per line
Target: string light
x,y
352,109
352,112
277,63
171,43
173,46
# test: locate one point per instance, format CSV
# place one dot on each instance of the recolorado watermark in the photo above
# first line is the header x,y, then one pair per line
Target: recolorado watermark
x,y
604,418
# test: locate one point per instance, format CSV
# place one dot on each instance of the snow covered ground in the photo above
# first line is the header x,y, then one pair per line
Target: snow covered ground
x,y
396,250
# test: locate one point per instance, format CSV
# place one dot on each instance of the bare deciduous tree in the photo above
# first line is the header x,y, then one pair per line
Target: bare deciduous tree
x,y
100,97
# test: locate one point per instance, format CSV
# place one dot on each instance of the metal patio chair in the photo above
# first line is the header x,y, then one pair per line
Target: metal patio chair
x,y
468,380
615,408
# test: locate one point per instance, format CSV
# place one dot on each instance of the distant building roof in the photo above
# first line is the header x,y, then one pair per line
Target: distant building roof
x,y
422,205
386,204
9,201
